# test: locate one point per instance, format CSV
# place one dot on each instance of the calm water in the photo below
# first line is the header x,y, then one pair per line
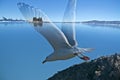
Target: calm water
x,y
22,49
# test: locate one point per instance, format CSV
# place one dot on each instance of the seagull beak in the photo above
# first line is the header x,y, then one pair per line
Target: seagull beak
x,y
43,61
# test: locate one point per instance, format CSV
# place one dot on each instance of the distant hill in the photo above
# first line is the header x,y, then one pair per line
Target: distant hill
x,y
8,19
102,23
103,68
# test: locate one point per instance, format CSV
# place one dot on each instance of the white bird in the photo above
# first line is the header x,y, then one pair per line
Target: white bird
x,y
63,41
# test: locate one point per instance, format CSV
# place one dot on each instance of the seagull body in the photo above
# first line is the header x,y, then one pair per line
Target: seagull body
x,y
62,49
62,40
62,54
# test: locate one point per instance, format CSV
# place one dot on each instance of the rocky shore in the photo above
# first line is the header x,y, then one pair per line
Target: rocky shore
x,y
103,68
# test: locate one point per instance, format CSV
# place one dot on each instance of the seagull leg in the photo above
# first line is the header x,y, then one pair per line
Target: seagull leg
x,y
82,57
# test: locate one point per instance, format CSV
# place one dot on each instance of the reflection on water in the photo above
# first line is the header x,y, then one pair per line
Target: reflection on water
x,y
38,24
22,49
11,23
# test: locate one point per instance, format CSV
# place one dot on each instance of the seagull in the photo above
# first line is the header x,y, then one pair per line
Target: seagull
x,y
62,40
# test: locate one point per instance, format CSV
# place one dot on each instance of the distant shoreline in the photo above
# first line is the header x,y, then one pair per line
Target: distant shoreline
x,y
102,23
92,22
43,22
13,21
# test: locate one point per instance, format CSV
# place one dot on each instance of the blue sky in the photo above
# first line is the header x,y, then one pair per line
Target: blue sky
x,y
86,9
21,52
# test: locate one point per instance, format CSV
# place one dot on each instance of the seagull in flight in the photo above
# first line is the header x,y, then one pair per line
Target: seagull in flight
x,y
62,40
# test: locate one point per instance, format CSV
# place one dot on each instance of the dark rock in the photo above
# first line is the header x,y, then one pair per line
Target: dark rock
x,y
103,68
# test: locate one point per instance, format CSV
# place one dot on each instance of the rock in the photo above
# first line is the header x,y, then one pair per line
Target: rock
x,y
103,68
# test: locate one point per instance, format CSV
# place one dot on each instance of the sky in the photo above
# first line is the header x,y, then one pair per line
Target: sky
x,y
86,9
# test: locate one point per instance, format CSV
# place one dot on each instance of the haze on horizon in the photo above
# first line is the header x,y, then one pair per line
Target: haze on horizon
x,y
86,9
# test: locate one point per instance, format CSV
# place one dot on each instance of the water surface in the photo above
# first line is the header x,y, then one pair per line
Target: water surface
x,y
22,49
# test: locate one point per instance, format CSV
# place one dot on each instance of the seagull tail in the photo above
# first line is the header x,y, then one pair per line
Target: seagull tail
x,y
86,49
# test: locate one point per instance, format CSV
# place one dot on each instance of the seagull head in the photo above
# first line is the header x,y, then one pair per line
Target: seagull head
x,y
51,57
45,60
48,58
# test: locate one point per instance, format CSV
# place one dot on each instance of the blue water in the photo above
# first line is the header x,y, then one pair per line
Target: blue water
x,y
22,49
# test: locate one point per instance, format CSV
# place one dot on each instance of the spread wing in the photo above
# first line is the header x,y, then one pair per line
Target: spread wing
x,y
68,25
44,26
